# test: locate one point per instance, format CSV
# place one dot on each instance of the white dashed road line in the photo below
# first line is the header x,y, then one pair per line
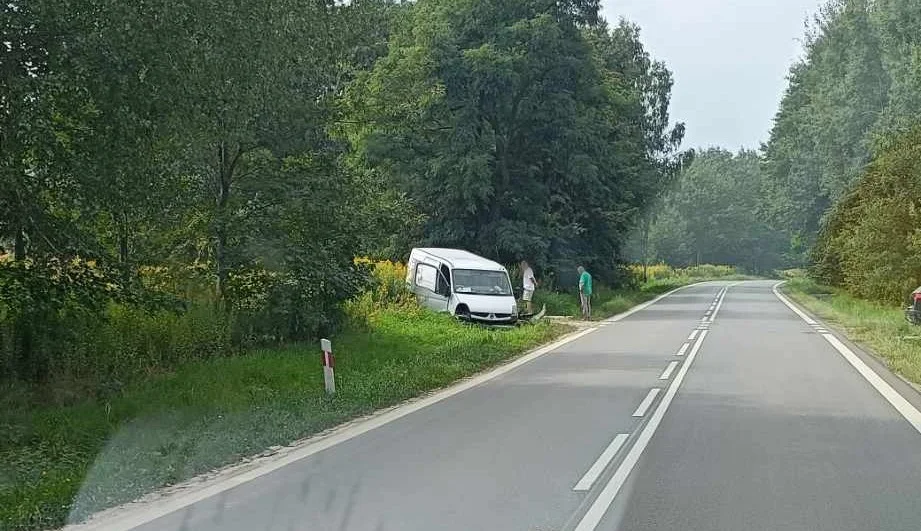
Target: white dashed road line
x,y
644,405
598,467
600,505
669,369
604,500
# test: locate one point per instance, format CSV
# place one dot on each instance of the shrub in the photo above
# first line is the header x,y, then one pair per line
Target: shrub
x,y
871,243
387,290
297,304
708,271
131,341
653,271
43,306
659,272
808,286
74,322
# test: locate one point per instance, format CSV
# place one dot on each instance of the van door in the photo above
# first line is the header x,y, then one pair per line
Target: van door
x,y
431,288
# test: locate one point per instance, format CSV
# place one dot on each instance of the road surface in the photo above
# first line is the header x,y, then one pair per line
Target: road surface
x,y
716,408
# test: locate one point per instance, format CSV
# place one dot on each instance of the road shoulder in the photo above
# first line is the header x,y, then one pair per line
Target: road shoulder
x,y
908,390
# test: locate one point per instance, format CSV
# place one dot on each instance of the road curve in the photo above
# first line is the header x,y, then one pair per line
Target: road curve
x,y
715,408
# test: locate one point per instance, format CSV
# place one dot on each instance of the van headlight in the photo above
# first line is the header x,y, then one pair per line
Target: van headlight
x,y
514,309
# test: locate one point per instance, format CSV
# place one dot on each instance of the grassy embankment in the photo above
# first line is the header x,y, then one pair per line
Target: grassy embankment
x,y
82,457
880,327
65,460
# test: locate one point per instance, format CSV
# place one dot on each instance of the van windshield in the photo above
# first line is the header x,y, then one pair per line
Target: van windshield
x,y
477,282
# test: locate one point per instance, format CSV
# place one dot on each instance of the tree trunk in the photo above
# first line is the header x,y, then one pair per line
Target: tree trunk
x,y
19,245
227,163
646,224
27,368
123,235
123,240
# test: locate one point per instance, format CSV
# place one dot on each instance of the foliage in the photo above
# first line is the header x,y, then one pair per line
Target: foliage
x,y
663,271
871,244
185,150
387,291
44,305
70,322
856,85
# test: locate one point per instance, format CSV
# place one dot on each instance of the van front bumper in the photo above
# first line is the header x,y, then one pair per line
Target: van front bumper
x,y
496,318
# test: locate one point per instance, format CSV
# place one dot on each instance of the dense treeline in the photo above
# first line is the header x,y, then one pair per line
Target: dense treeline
x,y
854,97
214,168
812,197
857,87
713,214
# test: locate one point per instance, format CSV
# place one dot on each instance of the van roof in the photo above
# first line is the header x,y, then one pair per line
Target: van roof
x,y
460,259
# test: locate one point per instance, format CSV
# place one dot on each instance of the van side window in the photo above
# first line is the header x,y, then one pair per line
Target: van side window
x,y
425,276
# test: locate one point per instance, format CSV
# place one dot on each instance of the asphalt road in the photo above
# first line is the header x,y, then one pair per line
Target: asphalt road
x,y
759,423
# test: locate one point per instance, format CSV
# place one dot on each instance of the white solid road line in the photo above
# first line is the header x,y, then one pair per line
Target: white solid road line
x,y
684,348
601,463
601,504
669,369
644,405
693,335
802,314
904,407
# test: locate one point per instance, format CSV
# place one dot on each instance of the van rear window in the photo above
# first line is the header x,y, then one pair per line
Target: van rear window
x,y
425,276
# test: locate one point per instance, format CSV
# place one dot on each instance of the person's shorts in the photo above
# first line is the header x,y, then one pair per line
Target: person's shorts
x,y
528,293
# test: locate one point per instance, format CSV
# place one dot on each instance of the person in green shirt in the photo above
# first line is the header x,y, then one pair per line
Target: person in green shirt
x,y
585,293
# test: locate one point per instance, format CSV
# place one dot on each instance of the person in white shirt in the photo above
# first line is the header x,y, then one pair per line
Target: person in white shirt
x,y
529,284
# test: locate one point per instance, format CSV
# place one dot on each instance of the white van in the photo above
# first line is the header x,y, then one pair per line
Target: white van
x,y
462,283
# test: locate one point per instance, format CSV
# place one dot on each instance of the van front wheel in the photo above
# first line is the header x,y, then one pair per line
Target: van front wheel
x,y
462,312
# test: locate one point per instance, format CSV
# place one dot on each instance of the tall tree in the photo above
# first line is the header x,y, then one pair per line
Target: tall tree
x,y
513,131
39,112
821,137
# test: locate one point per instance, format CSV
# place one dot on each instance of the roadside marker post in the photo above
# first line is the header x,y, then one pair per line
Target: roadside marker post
x,y
329,362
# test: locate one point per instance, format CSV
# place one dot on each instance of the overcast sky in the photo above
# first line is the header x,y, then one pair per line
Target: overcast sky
x,y
729,59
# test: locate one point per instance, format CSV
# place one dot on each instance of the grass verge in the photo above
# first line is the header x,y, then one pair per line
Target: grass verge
x,y
62,463
882,328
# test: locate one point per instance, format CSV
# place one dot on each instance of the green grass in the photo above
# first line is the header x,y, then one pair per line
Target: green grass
x,y
882,328
57,461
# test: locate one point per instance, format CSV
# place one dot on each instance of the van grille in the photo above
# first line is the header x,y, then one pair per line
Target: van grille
x,y
485,315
